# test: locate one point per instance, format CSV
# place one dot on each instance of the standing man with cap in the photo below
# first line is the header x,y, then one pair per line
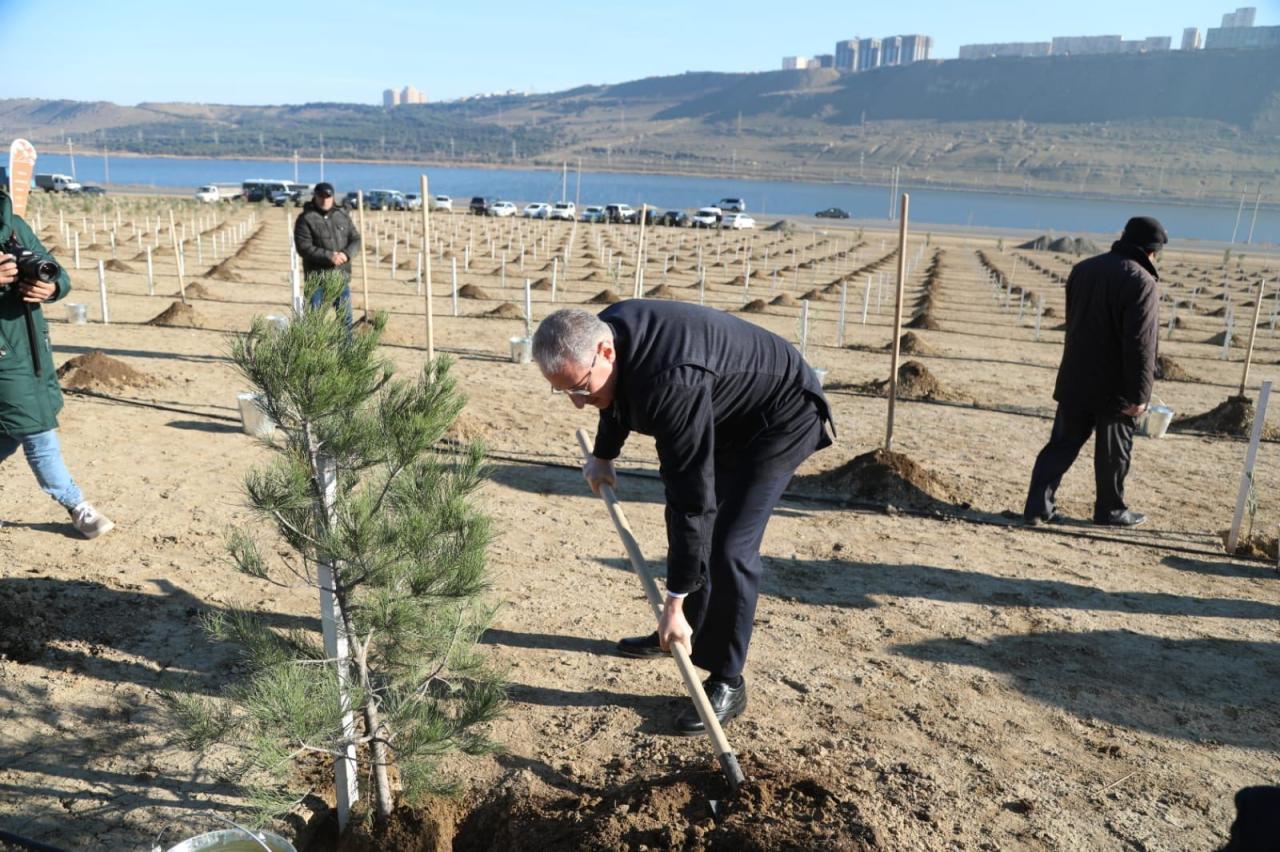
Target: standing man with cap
x,y
733,410
1108,367
326,239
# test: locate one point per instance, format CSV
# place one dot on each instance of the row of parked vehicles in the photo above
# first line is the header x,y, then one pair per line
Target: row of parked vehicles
x,y
728,213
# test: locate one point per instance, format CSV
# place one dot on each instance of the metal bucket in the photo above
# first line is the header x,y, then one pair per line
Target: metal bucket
x,y
253,420
521,350
234,840
1155,421
76,314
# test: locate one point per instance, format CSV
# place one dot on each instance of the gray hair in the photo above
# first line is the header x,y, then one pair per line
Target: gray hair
x,y
568,335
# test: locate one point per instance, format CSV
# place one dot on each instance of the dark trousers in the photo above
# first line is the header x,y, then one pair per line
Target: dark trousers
x,y
1112,452
722,611
342,304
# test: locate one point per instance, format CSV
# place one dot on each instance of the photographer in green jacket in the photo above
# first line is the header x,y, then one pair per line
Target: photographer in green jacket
x,y
30,398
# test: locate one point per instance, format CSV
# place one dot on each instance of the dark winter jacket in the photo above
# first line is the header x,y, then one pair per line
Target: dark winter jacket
x,y
316,235
1112,313
711,389
29,398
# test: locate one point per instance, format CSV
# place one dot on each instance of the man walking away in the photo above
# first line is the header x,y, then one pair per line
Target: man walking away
x,y
326,239
1104,381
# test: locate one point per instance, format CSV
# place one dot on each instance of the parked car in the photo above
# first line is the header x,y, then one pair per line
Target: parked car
x,y
706,217
733,205
351,200
260,190
832,213
412,201
537,210
56,183
622,214
502,209
594,213
674,219
386,199
442,202
92,189
565,210
290,193
737,221
480,205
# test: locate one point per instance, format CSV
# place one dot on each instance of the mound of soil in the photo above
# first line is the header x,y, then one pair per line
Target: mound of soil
x,y
911,344
814,295
541,284
662,291
114,265
471,291
97,371
196,290
179,316
1218,339
882,477
755,306
225,271
785,300
466,428
924,321
1234,417
774,809
1048,312
505,311
736,281
914,382
604,297
1254,546
1171,371
593,276
783,226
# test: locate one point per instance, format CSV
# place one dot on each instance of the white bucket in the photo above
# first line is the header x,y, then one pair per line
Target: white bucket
x,y
253,420
278,323
234,840
1155,421
76,314
820,373
521,350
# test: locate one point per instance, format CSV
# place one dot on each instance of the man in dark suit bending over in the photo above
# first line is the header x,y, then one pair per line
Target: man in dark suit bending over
x,y
733,410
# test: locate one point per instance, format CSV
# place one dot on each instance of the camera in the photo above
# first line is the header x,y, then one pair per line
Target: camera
x,y
31,265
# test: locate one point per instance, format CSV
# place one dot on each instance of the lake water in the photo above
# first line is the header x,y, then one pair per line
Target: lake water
x,y
1038,213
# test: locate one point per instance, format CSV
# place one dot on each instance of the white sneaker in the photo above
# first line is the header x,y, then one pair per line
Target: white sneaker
x,y
89,522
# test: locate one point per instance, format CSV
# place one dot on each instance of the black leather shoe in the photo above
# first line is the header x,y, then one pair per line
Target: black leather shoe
x,y
726,702
1127,518
1054,517
641,647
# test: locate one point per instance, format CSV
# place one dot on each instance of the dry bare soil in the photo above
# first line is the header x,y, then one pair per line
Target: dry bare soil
x,y
925,675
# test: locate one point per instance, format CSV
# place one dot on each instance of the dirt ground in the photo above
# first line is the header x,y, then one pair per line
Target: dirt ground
x,y
941,679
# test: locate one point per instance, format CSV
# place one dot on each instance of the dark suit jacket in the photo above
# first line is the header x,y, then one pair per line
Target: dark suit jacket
x,y
1109,360
316,235
710,388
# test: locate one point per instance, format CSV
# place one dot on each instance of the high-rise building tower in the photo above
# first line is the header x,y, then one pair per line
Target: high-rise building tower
x,y
1191,38
891,50
847,55
915,48
1242,17
868,54
390,98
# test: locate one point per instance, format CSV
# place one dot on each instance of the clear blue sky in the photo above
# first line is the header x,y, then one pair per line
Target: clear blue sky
x,y
268,51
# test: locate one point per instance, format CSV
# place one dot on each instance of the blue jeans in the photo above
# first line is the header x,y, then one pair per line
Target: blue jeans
x,y
44,454
342,304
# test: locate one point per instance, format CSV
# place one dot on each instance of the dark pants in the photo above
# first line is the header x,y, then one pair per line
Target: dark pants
x,y
722,611
1071,428
342,304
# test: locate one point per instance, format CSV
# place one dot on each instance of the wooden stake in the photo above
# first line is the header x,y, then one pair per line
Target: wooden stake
x,y
728,760
364,250
102,293
1246,478
1253,333
897,320
426,252
638,292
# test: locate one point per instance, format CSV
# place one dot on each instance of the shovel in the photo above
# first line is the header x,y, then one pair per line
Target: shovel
x,y
728,760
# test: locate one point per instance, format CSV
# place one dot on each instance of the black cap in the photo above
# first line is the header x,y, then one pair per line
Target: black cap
x,y
324,189
1145,232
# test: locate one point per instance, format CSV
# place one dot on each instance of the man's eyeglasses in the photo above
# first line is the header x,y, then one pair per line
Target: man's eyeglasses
x,y
580,389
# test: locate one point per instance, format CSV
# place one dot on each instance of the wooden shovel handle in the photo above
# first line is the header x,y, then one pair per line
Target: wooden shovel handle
x,y
728,760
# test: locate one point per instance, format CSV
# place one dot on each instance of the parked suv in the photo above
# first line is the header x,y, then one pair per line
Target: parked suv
x,y
480,205
593,213
733,205
565,210
706,217
621,214
386,199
